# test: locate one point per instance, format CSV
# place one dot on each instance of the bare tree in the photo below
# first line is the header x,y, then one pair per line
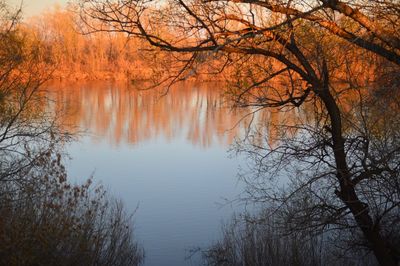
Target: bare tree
x,y
289,55
44,220
26,128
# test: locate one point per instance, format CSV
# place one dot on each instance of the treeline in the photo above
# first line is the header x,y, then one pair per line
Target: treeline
x,y
73,52
74,55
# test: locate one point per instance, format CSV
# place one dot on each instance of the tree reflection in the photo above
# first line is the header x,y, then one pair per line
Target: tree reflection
x,y
124,114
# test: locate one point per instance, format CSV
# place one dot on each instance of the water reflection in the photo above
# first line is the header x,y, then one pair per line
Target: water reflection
x,y
166,154
122,114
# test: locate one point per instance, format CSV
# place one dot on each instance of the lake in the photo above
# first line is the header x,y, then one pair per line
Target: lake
x,y
164,155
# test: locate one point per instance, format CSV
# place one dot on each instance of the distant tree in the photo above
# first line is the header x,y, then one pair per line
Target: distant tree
x,y
324,57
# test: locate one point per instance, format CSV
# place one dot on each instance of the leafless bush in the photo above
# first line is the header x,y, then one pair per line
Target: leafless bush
x,y
259,241
51,222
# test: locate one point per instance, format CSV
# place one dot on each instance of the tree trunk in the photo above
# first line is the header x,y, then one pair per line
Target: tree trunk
x,y
347,193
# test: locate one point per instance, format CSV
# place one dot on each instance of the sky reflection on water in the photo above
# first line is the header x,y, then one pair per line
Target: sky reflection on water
x,y
165,155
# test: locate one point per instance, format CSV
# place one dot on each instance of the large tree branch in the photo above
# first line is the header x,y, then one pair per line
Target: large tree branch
x,y
334,28
363,20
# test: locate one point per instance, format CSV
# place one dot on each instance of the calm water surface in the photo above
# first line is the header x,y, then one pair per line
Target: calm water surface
x,y
164,156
